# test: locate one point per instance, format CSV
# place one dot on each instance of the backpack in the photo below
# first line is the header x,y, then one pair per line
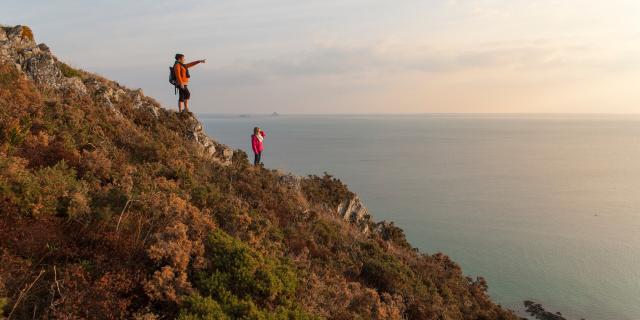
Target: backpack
x,y
172,77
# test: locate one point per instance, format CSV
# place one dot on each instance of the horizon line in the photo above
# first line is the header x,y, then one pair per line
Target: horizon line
x,y
239,114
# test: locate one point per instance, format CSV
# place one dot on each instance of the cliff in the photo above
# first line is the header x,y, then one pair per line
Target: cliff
x,y
114,207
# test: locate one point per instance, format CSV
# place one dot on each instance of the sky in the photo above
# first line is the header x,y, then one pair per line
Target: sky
x,y
357,56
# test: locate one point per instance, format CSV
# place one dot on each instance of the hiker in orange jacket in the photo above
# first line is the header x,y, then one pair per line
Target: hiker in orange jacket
x,y
182,79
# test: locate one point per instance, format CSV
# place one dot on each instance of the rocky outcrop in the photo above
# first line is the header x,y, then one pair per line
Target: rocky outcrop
x,y
354,211
289,180
351,209
18,46
218,151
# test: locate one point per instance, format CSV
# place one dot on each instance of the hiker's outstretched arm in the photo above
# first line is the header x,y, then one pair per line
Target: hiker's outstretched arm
x,y
192,63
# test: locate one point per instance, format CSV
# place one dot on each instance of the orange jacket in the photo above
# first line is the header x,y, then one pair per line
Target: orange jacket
x,y
181,72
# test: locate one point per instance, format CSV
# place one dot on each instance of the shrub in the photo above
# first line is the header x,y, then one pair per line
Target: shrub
x,y
205,195
394,234
245,273
385,273
18,96
48,191
325,190
68,71
60,192
197,307
8,76
243,283
4,303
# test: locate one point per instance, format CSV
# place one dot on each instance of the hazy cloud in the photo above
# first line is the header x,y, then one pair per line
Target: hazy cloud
x,y
322,61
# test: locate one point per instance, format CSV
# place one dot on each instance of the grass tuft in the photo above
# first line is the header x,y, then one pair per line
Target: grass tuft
x,y
68,71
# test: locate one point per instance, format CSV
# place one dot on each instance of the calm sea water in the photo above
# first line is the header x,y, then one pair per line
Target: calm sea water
x,y
544,207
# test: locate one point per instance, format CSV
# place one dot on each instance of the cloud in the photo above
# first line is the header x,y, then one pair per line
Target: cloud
x,y
384,60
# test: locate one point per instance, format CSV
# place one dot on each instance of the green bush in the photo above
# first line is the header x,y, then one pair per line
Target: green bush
x,y
68,71
60,191
325,190
243,284
236,268
4,303
45,192
201,308
384,273
395,235
205,195
9,76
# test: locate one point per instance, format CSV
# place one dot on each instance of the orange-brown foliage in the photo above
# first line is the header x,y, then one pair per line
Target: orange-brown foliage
x,y
27,33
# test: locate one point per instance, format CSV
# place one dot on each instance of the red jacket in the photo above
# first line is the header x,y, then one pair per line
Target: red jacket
x,y
256,144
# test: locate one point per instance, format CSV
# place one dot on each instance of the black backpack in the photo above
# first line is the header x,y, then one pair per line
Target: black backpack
x,y
172,77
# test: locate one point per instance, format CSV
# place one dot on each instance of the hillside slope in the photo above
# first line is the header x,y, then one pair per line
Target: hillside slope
x,y
113,207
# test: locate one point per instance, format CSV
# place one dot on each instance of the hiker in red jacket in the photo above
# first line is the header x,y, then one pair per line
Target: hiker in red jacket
x,y
182,80
256,144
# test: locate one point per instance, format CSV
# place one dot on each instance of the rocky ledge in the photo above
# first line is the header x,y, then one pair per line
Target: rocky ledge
x,y
35,61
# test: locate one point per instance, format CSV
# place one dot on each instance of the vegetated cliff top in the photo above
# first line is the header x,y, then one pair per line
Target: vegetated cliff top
x,y
114,207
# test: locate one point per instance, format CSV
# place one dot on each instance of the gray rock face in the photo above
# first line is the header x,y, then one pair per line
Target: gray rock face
x,y
35,61
289,180
17,37
354,211
219,152
384,228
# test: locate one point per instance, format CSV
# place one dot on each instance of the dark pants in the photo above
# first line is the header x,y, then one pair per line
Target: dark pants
x,y
256,160
183,94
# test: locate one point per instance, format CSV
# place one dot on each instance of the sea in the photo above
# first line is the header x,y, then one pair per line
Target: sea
x,y
544,207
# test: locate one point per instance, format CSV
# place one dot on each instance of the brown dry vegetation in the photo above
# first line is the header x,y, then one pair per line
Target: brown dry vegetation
x,y
27,33
108,217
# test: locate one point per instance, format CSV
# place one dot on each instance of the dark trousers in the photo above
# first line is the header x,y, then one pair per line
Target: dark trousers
x,y
256,160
